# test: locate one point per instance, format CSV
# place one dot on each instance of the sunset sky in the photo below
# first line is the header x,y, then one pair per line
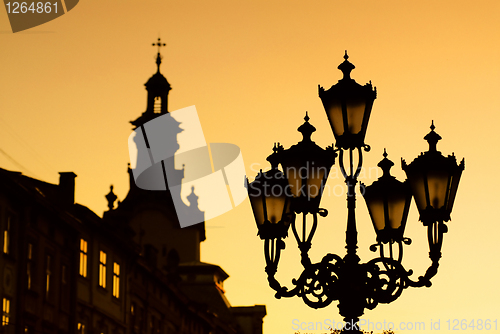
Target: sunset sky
x,y
69,88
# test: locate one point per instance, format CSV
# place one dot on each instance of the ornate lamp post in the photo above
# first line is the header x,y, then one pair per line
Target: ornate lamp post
x,y
277,196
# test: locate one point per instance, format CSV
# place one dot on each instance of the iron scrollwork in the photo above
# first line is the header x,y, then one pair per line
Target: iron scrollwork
x,y
383,278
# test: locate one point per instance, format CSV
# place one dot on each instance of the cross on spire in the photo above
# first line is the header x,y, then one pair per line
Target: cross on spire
x,y
158,56
159,44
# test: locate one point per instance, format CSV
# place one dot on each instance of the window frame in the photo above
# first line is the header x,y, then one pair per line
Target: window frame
x,y
116,280
7,235
30,266
84,255
49,276
6,307
102,268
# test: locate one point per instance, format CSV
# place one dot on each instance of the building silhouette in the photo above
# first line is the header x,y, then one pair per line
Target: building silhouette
x,y
64,269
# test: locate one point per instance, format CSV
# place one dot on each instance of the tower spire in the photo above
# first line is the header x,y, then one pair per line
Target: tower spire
x,y
157,87
159,44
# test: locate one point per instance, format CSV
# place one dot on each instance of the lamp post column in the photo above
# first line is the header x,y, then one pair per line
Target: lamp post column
x,y
351,234
352,297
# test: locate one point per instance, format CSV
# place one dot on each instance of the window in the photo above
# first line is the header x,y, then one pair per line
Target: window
x,y
157,105
102,269
116,280
80,328
29,266
83,258
137,318
5,311
48,276
6,236
133,318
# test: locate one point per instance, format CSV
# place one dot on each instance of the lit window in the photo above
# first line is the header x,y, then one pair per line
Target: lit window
x,y
6,312
116,280
81,328
29,265
83,258
133,321
48,274
6,236
102,269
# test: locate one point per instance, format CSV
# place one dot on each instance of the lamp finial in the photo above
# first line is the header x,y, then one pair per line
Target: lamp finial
x,y
306,129
346,67
385,164
432,138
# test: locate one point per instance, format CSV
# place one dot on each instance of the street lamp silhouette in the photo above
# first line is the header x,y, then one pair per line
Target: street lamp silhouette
x,y
277,196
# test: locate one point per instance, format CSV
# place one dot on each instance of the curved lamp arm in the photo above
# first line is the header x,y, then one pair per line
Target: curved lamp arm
x,y
272,251
435,232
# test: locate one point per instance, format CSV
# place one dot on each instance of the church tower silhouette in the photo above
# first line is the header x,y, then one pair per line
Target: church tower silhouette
x,y
151,214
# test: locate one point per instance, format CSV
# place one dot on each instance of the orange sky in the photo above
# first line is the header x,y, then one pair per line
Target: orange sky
x,y
68,89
